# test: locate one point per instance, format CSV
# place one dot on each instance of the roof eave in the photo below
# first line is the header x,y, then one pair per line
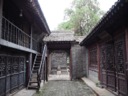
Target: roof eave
x,y
42,17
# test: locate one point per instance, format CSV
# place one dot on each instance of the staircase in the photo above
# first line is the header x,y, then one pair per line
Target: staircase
x,y
36,73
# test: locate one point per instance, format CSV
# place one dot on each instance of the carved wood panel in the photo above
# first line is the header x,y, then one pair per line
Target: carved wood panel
x,y
120,66
119,55
12,73
103,76
2,65
112,62
108,77
103,56
15,65
110,57
2,74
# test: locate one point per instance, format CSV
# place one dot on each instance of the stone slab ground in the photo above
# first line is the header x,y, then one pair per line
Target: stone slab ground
x,y
24,92
65,88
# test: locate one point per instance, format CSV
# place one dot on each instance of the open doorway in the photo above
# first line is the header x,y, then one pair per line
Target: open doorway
x,y
59,65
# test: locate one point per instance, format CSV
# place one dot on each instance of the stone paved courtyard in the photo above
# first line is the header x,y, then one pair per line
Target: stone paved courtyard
x,y
65,88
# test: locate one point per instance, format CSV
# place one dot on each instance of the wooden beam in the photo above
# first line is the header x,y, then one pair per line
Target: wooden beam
x,y
15,46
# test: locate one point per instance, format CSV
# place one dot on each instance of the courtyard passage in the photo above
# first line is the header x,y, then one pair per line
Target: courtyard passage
x,y
65,88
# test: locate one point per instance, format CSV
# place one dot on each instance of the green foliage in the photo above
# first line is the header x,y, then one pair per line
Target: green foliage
x,y
81,17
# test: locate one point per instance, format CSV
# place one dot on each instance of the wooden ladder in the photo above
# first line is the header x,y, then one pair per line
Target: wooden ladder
x,y
36,72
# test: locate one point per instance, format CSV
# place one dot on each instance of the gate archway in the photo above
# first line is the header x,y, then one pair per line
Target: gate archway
x,y
59,65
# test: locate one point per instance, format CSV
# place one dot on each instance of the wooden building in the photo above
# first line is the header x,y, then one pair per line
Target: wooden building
x,y
22,28
59,45
64,52
107,47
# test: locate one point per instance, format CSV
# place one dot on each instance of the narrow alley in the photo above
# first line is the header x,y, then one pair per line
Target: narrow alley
x,y
66,88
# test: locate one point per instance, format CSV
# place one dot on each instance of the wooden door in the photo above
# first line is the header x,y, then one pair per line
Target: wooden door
x,y
108,72
120,66
110,66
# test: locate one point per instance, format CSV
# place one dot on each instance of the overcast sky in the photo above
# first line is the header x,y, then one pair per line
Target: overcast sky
x,y
54,10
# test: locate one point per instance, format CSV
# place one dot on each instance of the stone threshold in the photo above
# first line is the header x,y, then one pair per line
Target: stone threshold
x,y
97,90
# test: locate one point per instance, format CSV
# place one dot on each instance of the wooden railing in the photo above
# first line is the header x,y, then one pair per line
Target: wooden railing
x,y
14,34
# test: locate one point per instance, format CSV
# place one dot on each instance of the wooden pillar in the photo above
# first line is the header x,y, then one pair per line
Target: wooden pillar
x,y
30,64
46,69
98,60
88,61
1,14
28,67
31,35
71,64
47,61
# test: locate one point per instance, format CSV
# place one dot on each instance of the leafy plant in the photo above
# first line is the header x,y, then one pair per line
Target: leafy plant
x,y
81,17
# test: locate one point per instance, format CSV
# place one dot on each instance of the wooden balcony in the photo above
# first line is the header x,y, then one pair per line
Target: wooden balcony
x,y
12,36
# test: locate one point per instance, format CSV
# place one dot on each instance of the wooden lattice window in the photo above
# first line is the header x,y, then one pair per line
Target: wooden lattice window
x,y
110,57
21,63
15,63
9,63
107,56
103,56
119,55
3,60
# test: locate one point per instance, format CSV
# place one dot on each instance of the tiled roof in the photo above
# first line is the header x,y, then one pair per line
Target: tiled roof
x,y
60,36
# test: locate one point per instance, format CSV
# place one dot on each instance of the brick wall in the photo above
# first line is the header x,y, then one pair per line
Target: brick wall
x,y
78,57
58,58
